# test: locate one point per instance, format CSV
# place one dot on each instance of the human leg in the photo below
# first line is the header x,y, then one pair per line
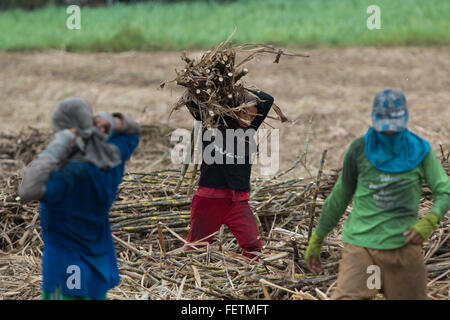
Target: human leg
x,y
242,223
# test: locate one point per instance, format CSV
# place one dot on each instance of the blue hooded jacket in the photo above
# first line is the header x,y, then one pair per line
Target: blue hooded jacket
x,y
79,254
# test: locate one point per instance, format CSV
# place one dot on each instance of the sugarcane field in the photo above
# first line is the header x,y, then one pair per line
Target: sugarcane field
x,y
243,167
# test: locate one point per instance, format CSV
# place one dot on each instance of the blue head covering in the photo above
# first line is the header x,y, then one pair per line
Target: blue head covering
x,y
389,111
398,152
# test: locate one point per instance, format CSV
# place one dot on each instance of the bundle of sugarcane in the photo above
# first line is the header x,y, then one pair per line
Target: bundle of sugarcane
x,y
214,82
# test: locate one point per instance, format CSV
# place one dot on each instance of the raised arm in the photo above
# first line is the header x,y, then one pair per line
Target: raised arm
x,y
116,123
194,110
124,133
264,105
33,186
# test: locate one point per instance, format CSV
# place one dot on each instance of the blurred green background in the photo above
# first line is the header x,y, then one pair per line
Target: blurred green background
x,y
175,25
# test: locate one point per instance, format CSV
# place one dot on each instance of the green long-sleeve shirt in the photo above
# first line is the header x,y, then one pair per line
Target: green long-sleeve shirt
x,y
385,205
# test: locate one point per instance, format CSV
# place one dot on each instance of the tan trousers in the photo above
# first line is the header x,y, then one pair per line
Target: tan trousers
x,y
399,273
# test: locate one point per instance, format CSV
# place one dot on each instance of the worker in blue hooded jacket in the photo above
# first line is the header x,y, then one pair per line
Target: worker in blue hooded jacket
x,y
76,179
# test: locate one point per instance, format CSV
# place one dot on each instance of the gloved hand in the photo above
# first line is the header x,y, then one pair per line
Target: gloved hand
x,y
60,147
424,227
314,246
110,119
312,254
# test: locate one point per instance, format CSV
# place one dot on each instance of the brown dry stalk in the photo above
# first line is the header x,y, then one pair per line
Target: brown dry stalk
x,y
214,82
217,271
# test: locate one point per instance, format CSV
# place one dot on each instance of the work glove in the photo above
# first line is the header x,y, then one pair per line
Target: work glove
x,y
314,246
425,226
60,147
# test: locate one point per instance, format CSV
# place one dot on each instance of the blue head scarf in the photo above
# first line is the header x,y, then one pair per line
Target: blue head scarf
x,y
398,152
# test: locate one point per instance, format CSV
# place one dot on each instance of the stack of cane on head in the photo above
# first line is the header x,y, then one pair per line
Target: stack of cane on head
x,y
214,82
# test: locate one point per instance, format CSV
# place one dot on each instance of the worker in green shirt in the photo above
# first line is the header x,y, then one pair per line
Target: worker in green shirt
x,y
382,235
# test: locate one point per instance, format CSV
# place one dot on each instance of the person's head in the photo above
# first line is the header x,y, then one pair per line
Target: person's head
x,y
389,113
90,142
75,112
247,115
72,113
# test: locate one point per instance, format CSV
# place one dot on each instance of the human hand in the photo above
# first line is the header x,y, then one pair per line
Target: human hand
x,y
413,237
422,229
312,254
126,125
105,122
119,122
315,265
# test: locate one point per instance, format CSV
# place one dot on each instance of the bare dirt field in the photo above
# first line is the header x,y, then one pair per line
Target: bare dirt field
x,y
334,86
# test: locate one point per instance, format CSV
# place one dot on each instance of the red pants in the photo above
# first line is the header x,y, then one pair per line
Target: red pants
x,y
208,215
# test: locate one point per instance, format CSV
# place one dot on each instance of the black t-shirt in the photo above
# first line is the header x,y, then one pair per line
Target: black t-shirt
x,y
227,163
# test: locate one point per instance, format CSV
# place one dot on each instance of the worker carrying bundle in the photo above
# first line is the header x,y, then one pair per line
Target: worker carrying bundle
x,y
382,236
224,185
216,95
76,179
